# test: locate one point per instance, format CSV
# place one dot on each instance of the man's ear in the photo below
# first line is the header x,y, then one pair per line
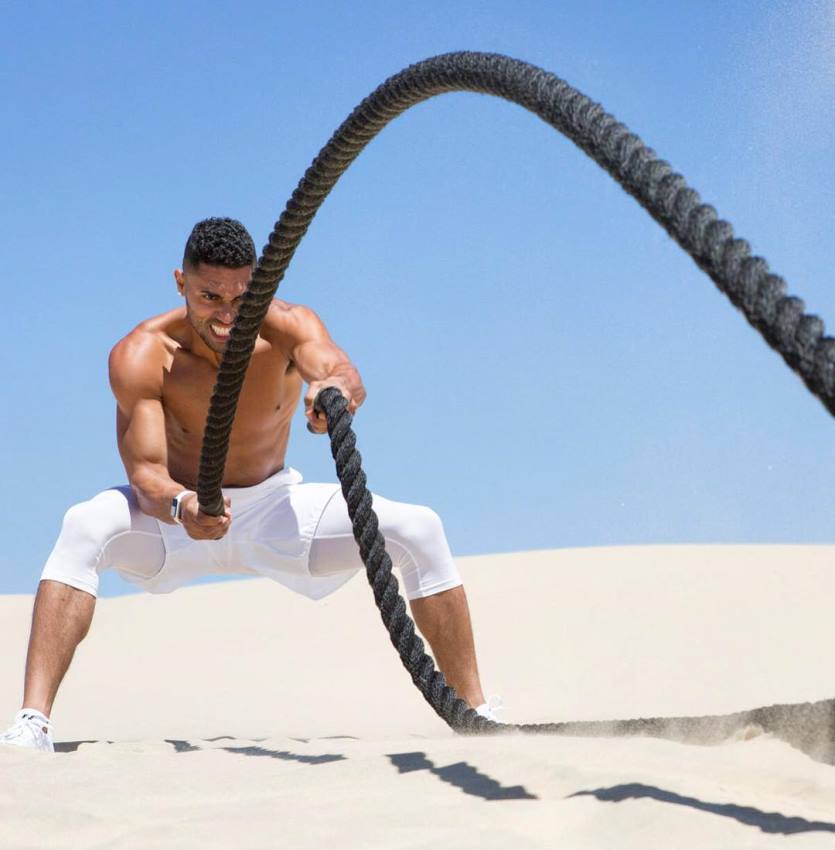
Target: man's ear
x,y
181,281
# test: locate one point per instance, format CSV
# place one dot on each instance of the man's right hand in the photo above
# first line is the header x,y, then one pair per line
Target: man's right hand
x,y
200,526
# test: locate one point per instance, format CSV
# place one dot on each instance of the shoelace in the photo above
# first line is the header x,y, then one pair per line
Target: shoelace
x,y
25,722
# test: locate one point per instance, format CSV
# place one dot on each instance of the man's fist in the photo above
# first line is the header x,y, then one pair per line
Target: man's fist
x,y
200,526
316,421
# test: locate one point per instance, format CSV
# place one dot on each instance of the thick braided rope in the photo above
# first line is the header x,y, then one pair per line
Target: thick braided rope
x,y
746,280
808,726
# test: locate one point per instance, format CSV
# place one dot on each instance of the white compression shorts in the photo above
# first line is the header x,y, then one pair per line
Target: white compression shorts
x,y
297,534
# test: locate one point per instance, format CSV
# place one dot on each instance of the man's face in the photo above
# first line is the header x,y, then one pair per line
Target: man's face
x,y
213,296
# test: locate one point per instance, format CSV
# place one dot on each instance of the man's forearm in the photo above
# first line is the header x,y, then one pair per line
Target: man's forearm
x,y
155,489
348,373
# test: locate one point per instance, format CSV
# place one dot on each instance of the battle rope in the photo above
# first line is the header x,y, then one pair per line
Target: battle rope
x,y
746,280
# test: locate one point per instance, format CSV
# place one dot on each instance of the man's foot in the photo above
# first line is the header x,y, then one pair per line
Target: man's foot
x,y
31,729
489,709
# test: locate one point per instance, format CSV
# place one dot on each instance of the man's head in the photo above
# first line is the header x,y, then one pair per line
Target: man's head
x,y
219,242
217,265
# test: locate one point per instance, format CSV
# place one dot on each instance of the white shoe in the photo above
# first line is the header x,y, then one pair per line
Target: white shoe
x,y
489,709
31,729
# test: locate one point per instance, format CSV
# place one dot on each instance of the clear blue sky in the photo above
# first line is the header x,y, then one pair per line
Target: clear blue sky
x,y
545,367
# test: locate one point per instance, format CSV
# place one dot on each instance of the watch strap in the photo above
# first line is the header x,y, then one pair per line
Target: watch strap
x,y
177,506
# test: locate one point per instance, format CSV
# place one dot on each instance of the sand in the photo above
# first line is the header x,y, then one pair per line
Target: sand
x,y
237,715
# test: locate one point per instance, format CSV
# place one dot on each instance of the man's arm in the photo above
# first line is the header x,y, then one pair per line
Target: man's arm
x,y
320,362
136,368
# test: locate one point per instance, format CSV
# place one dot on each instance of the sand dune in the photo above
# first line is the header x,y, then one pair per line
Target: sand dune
x,y
239,715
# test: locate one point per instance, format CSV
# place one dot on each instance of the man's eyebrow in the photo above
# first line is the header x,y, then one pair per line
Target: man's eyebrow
x,y
205,291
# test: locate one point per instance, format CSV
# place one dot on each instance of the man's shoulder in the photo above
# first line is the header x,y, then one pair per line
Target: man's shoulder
x,y
286,311
284,319
151,337
138,357
139,346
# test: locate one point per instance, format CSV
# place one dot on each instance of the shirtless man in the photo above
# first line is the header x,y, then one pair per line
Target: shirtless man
x,y
153,532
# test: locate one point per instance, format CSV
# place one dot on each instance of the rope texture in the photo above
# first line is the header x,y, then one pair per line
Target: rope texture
x,y
746,280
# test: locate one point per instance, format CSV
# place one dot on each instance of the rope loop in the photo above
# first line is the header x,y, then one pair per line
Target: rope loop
x,y
747,282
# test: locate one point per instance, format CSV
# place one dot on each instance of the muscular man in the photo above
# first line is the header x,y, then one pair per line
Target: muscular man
x,y
162,374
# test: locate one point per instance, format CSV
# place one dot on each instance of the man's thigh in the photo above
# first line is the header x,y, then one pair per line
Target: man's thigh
x,y
107,531
415,541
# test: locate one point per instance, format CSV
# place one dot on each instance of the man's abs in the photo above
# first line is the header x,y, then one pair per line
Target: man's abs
x,y
261,430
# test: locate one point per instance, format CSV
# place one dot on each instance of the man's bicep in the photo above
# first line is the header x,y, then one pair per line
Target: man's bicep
x,y
140,418
141,435
316,359
311,348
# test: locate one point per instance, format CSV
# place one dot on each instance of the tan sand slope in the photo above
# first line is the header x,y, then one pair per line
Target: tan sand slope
x,y
243,716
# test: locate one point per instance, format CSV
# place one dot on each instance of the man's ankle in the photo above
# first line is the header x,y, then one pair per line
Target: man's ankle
x,y
39,715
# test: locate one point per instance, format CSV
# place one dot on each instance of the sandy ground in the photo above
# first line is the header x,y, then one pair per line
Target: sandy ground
x,y
237,715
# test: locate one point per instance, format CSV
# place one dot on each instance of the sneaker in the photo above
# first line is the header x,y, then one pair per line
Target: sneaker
x,y
30,729
489,709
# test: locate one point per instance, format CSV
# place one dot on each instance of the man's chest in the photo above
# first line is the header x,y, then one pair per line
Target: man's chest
x,y
270,393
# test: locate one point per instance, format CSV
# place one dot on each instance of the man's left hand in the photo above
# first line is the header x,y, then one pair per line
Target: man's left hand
x,y
317,423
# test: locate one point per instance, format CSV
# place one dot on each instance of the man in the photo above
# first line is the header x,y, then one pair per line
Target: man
x,y
153,532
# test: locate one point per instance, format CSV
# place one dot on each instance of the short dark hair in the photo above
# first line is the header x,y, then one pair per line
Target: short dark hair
x,y
219,242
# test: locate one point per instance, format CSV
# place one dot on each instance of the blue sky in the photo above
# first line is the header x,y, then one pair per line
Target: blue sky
x,y
544,366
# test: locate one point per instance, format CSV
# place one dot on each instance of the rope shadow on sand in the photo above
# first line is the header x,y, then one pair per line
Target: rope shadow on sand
x,y
179,746
72,746
770,822
187,747
284,755
461,775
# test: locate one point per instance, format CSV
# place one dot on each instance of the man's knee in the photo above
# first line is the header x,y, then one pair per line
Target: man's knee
x,y
83,526
88,526
420,527
85,530
424,557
